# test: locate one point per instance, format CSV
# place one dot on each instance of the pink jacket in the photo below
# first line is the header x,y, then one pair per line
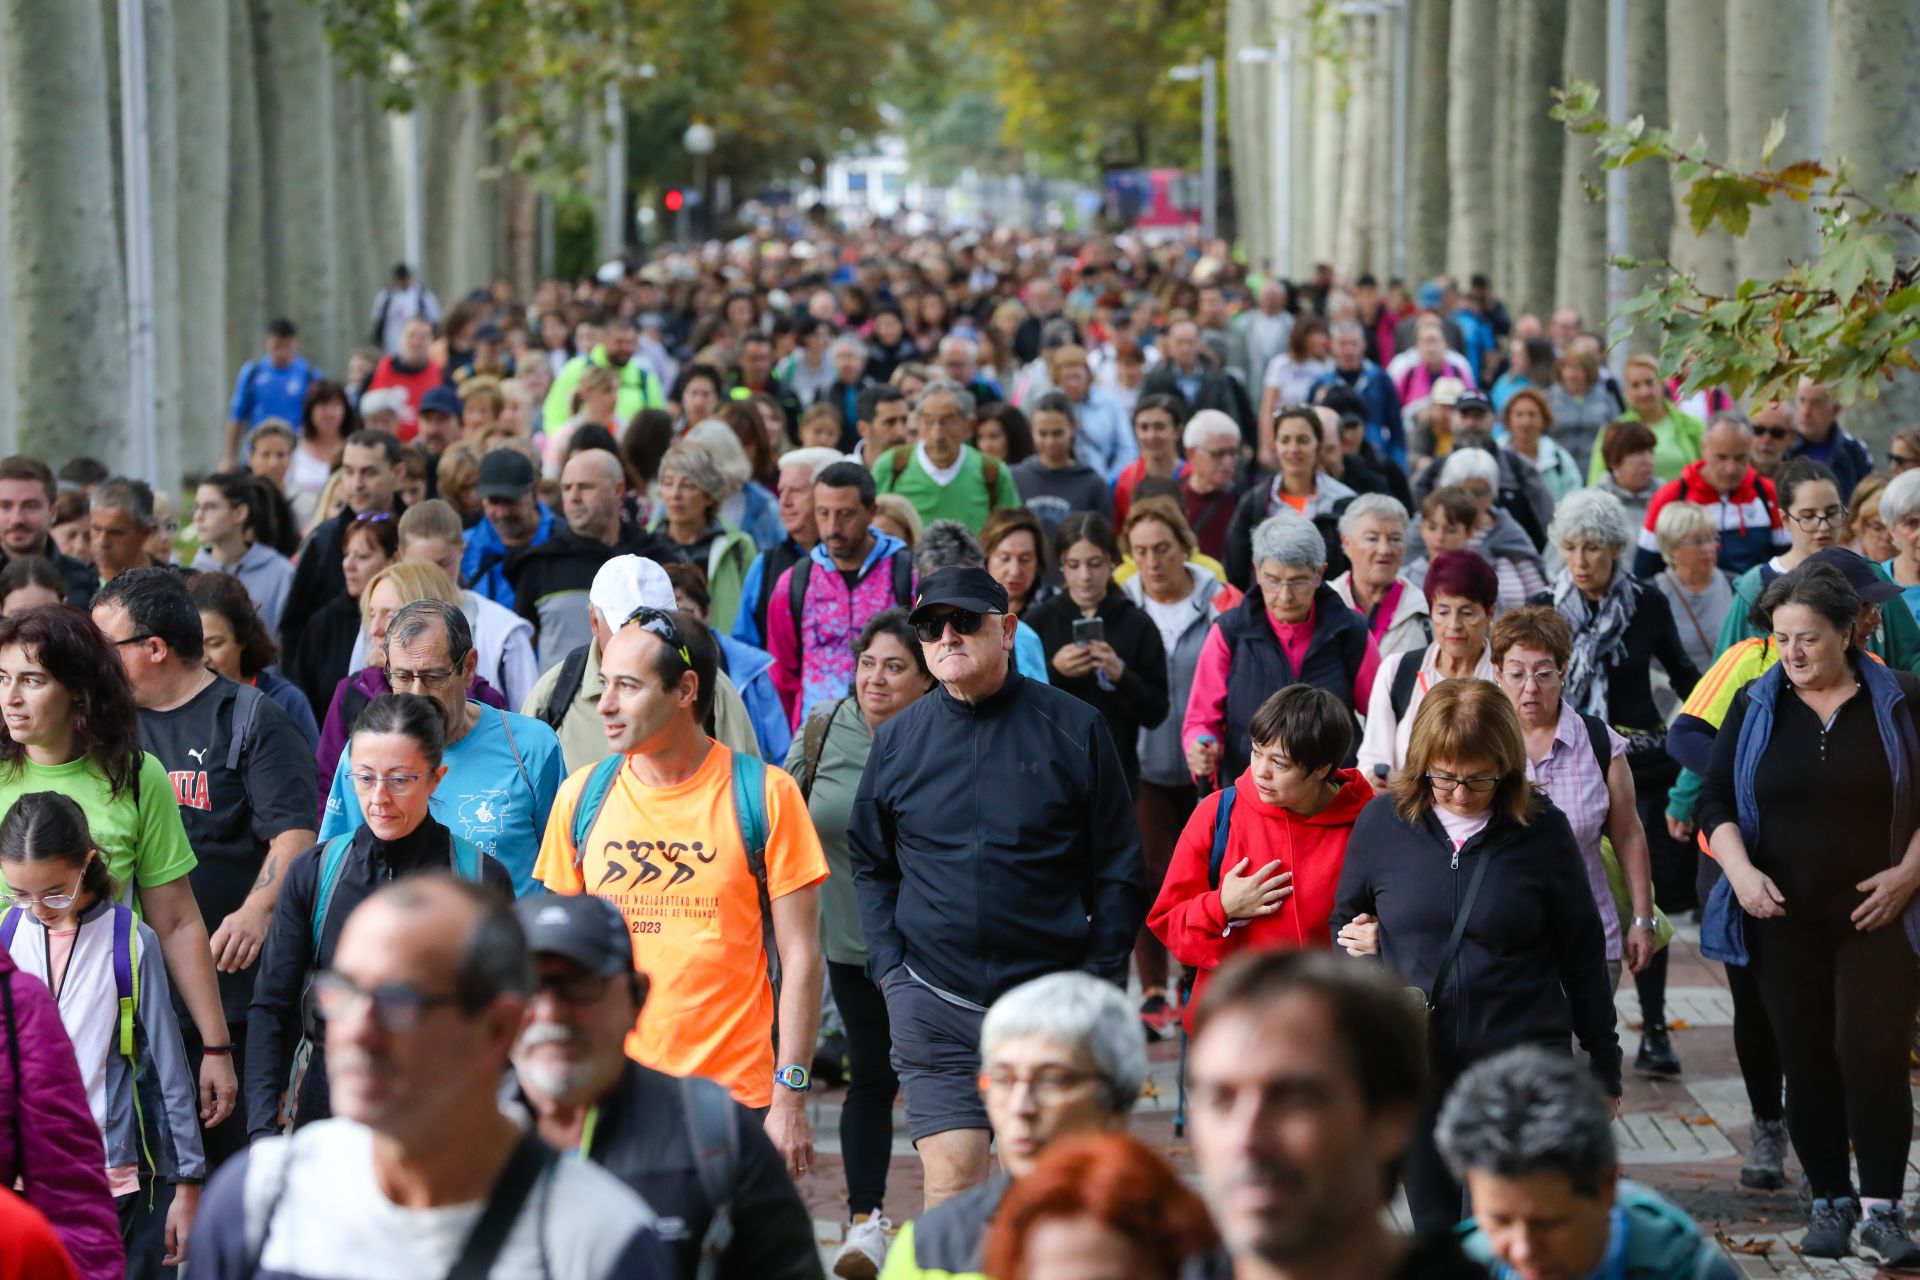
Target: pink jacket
x,y
814,664
48,1140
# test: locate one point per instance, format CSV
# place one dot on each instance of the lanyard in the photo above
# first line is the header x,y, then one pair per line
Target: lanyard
x,y
587,1131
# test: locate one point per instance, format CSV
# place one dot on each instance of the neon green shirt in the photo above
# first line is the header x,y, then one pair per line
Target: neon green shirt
x,y
145,843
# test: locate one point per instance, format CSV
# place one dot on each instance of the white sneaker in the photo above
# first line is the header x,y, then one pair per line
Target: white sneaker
x,y
860,1258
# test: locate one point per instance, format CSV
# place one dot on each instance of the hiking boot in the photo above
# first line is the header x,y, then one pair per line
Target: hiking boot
x,y
1885,1241
1158,1017
1656,1056
1830,1234
865,1250
1766,1167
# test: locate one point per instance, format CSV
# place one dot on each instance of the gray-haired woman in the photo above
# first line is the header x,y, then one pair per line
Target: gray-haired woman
x,y
1292,629
692,487
1496,536
1373,533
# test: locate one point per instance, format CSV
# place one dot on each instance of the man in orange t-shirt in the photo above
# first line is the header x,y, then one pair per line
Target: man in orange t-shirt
x,y
666,849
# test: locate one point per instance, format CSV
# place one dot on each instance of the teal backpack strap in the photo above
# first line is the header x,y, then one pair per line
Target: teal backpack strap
x,y
586,809
466,858
750,812
333,856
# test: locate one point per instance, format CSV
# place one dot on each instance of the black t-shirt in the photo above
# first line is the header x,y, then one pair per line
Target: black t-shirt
x,y
232,815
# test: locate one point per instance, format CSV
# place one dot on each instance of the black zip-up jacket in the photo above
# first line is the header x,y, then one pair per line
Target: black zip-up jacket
x,y
289,958
1138,699
1532,966
317,578
641,1136
565,564
994,843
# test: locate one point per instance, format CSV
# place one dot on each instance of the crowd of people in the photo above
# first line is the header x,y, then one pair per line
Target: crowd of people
x,y
942,667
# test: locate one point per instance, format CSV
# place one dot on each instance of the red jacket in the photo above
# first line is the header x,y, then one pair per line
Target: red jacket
x,y
1187,915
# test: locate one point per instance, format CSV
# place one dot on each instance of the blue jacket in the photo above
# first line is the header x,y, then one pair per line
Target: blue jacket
x,y
1650,1240
751,671
760,519
1103,436
1380,402
1847,455
483,564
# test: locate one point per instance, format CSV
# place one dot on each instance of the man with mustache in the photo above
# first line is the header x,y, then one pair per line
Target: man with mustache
x,y
1305,1075
667,1137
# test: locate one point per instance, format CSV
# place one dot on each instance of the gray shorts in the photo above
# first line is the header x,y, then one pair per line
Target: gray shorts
x,y
936,1054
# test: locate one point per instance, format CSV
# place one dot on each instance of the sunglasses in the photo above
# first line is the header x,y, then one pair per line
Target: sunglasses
x,y
1774,433
965,622
655,622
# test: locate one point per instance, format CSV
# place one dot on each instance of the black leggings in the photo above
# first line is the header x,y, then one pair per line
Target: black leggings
x,y
1842,1005
1753,1041
866,1119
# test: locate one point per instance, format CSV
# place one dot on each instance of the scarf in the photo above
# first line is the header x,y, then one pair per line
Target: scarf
x,y
1599,636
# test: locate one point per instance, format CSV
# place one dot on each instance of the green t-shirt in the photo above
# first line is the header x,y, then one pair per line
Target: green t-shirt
x,y
145,844
965,498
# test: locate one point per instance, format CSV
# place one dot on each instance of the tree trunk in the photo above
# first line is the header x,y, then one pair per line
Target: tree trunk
x,y
1533,218
1298,16
1776,64
1429,186
246,221
204,112
1507,41
442,114
385,179
1353,230
1580,267
360,272
163,229
296,91
1378,195
1247,143
1874,125
1469,160
65,293
1329,157
1649,190
1697,105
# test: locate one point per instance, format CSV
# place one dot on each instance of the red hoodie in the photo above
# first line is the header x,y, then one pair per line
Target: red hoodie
x,y
1187,915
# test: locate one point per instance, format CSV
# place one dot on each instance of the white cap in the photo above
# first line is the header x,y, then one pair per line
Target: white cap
x,y
626,583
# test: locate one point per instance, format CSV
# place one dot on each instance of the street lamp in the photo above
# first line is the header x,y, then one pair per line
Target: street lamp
x,y
1206,72
698,140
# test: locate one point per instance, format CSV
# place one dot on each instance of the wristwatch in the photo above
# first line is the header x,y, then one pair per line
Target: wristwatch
x,y
1645,922
795,1078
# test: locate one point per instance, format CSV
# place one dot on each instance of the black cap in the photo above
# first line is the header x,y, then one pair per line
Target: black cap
x,y
959,587
587,930
1859,573
442,400
504,473
1472,400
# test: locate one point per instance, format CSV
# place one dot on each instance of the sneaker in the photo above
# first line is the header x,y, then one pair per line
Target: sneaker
x,y
1765,1169
865,1250
1830,1234
1885,1241
1158,1016
1656,1056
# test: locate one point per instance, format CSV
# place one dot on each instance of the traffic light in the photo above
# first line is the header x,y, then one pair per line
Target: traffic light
x,y
675,200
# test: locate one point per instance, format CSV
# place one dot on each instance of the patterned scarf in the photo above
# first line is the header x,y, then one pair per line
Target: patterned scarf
x,y
1599,636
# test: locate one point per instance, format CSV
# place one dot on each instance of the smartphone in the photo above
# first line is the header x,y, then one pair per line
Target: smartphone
x,y
1089,630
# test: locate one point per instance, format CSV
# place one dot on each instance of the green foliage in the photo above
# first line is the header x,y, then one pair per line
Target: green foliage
x,y
1847,318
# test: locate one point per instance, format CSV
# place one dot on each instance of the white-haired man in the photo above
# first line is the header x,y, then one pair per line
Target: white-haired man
x,y
1213,447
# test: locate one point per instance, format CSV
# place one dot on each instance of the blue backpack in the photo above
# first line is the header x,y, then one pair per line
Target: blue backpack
x,y
749,812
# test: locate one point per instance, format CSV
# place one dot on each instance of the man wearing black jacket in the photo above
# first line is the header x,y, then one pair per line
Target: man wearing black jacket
x,y
27,493
992,841
701,1160
371,463
1202,386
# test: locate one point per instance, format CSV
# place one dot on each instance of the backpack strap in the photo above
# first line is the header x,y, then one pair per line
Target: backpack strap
x,y
333,856
715,1138
573,673
990,472
126,975
903,578
1598,739
506,723
813,740
750,811
1222,828
467,858
798,579
896,458
1400,694
9,925
526,1167
246,708
586,809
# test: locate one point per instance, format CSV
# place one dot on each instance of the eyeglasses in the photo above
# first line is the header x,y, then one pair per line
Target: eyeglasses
x,y
1447,784
1538,679
659,623
432,678
1049,1085
396,783
964,622
1831,518
51,901
142,638
1290,586
397,1007
1775,433
1872,525
1225,453
576,986
1901,461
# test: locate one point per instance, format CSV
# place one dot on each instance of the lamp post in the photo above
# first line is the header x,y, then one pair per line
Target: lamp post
x,y
698,140
1206,71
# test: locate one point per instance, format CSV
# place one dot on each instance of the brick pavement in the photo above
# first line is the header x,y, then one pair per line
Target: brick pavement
x,y
1685,1138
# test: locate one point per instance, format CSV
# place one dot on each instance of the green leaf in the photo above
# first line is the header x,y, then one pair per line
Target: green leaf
x,y
1904,195
1728,198
1853,259
1776,134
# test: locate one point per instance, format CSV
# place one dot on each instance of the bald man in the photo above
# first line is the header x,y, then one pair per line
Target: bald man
x,y
550,581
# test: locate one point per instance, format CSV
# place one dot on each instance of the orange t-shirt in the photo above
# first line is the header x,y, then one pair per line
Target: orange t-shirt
x,y
671,859
1298,504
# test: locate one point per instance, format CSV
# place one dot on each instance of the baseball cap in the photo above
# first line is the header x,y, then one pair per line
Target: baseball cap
x,y
1470,400
442,400
959,587
587,930
626,583
1859,573
505,473
1447,391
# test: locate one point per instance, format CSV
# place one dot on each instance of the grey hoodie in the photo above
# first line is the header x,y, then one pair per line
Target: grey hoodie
x,y
1162,760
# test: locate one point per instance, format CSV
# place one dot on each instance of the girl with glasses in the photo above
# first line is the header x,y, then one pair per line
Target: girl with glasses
x,y
397,748
1464,847
103,966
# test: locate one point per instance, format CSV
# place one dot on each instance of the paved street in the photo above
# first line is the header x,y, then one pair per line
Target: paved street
x,y
1684,1138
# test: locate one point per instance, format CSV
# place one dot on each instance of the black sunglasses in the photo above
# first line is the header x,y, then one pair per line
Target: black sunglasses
x,y
964,622
659,623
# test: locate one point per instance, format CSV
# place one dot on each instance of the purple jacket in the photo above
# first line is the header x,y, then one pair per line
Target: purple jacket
x,y
367,684
53,1146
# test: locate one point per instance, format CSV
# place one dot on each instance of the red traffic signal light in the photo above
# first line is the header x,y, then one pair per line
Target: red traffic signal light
x,y
675,200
